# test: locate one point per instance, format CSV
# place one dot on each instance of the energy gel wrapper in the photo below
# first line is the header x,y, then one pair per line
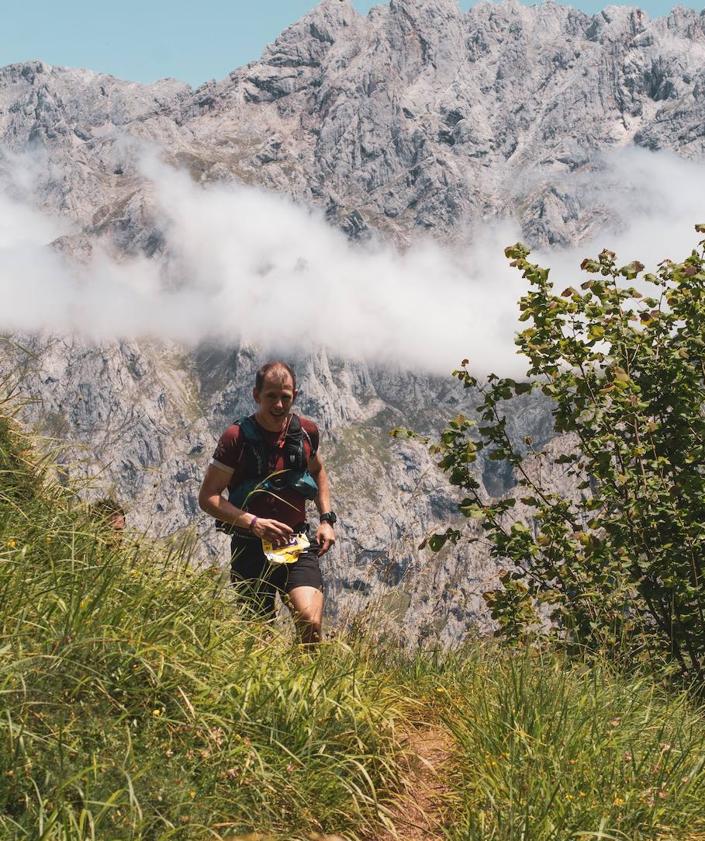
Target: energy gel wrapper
x,y
287,554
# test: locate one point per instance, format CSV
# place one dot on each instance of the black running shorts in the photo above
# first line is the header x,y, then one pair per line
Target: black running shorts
x,y
258,581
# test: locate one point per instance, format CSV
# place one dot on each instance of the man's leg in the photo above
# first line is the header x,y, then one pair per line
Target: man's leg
x,y
306,606
251,578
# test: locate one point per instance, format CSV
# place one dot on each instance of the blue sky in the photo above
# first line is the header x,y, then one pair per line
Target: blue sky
x,y
146,40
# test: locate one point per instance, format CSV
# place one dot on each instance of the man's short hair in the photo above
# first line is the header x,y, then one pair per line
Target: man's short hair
x,y
271,366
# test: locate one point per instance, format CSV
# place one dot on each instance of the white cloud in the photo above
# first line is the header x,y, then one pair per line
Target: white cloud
x,y
658,197
272,271
249,264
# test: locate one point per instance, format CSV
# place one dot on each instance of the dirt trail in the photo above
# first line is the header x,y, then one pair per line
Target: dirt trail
x,y
417,814
417,811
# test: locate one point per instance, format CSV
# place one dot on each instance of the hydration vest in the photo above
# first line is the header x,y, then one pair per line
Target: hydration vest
x,y
259,457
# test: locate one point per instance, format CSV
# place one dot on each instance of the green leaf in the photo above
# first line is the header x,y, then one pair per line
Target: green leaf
x,y
473,511
596,331
437,541
631,270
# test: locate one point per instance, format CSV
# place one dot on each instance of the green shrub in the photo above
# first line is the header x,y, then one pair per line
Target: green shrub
x,y
620,562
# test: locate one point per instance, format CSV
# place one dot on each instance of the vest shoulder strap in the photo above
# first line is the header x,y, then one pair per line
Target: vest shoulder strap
x,y
296,430
256,450
250,430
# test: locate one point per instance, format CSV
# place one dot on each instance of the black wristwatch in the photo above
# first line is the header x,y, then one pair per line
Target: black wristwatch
x,y
329,517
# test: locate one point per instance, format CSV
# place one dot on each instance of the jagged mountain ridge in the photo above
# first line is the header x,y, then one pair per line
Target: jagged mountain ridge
x,y
416,116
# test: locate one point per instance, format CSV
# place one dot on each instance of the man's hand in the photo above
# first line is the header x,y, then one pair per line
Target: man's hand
x,y
276,533
325,535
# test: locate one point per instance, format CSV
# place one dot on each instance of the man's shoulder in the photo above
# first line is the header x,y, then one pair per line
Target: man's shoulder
x,y
240,426
231,434
237,431
309,426
311,431
229,448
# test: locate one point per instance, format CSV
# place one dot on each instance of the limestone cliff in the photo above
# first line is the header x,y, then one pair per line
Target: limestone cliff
x,y
414,118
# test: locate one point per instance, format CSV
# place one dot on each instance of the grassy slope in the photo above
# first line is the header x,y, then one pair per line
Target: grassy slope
x,y
134,704
552,751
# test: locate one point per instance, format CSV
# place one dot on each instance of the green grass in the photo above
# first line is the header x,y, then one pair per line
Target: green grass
x,y
136,703
549,749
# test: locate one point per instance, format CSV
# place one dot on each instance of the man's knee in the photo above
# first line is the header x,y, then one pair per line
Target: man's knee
x,y
306,606
308,615
308,619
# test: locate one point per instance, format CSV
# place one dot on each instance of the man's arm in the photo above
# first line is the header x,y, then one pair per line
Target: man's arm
x,y
211,500
325,534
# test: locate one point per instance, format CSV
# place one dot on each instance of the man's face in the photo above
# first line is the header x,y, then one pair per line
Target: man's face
x,y
276,396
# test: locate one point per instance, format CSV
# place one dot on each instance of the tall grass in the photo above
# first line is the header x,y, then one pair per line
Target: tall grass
x,y
551,749
135,704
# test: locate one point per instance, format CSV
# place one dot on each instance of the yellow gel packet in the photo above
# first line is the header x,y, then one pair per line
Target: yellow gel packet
x,y
287,554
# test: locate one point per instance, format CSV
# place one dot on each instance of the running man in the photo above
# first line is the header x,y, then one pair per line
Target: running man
x,y
270,464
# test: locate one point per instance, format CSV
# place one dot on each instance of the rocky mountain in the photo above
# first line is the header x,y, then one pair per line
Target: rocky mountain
x,y
416,117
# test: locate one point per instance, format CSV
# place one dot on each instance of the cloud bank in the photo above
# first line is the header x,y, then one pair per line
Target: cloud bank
x,y
249,265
